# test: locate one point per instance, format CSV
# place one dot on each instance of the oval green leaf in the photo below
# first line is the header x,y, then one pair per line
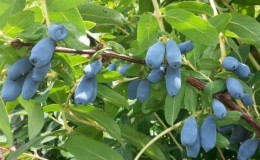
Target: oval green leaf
x,y
192,26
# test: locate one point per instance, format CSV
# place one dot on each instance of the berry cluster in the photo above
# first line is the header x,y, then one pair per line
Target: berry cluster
x,y
25,76
234,87
140,89
86,90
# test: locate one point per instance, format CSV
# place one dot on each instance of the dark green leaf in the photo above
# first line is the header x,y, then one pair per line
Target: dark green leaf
x,y
232,117
106,93
192,26
100,117
245,28
139,140
208,64
5,124
83,147
222,141
195,7
190,99
173,105
100,14
35,116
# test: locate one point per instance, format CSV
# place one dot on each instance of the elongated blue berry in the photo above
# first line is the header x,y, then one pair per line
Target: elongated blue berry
x,y
247,100
189,132
242,70
219,109
40,73
92,69
132,88
57,32
42,52
208,133
29,86
247,149
111,67
12,89
225,128
84,91
230,63
186,47
234,88
238,135
155,54
143,90
173,81
123,69
94,93
156,75
173,54
193,151
19,68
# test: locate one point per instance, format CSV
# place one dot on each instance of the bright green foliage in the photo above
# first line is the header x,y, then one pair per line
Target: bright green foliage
x,y
81,80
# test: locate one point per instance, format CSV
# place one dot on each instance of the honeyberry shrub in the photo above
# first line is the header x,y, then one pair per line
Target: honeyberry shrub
x,y
202,101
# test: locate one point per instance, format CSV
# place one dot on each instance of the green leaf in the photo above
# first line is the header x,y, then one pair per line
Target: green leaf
x,y
247,2
83,147
109,76
246,28
222,141
139,140
35,116
173,105
5,124
208,64
100,14
17,23
106,93
61,5
190,99
52,108
31,143
147,31
232,117
8,8
100,117
215,87
191,6
221,21
192,26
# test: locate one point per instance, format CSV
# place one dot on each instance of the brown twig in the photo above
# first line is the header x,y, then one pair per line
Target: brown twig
x,y
191,80
90,52
227,102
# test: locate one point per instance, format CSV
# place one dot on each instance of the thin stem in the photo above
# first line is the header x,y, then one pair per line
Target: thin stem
x,y
5,37
65,123
34,156
221,154
222,46
213,6
158,16
45,12
253,61
156,138
171,135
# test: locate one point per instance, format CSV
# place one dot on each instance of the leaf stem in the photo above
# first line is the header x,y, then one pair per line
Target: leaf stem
x,y
158,16
156,138
221,154
253,61
45,12
171,135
